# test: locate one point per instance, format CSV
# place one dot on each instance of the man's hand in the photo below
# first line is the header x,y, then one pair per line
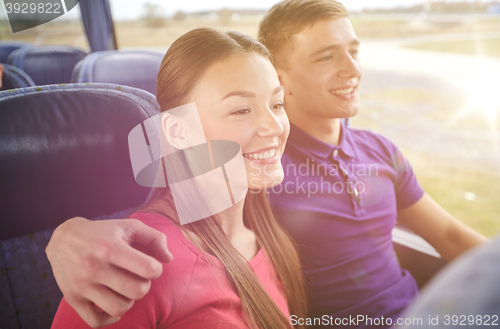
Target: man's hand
x,y
94,262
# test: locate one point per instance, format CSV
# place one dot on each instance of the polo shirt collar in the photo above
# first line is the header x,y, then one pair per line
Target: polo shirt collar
x,y
305,141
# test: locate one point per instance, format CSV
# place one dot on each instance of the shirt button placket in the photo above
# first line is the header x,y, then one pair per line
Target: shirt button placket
x,y
352,190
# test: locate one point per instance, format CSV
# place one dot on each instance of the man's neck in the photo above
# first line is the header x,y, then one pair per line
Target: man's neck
x,y
326,130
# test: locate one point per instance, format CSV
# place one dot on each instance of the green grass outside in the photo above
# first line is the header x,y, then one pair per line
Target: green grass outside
x,y
445,178
448,181
486,47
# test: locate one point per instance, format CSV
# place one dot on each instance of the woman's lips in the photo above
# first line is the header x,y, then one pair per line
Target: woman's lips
x,y
268,156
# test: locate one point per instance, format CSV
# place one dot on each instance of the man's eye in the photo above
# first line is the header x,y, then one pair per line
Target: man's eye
x,y
279,106
325,58
242,111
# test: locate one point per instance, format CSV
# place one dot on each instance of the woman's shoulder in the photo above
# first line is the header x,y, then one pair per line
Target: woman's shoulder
x,y
167,292
152,219
176,240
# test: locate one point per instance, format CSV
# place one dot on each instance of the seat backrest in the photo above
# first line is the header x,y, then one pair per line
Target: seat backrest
x,y
63,153
47,64
12,78
7,47
133,68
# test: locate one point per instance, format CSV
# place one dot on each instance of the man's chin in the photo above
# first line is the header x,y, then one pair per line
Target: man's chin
x,y
353,112
346,113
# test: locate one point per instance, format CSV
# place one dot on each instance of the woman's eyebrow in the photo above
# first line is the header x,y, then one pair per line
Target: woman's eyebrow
x,y
249,94
241,93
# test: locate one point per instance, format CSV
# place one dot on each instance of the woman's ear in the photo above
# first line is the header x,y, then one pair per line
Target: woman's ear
x,y
182,126
175,133
284,82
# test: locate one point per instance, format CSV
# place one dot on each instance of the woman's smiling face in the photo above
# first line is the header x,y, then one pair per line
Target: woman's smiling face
x,y
239,98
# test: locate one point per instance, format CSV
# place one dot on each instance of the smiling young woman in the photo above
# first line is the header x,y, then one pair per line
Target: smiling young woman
x,y
236,269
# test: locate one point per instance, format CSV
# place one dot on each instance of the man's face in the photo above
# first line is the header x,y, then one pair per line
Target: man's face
x,y
323,72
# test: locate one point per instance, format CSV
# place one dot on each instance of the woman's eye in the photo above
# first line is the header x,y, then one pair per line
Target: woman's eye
x,y
242,111
354,52
279,106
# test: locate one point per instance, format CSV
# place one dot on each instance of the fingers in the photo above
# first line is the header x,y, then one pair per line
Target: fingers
x,y
92,315
124,283
128,258
138,259
95,262
128,244
113,304
152,239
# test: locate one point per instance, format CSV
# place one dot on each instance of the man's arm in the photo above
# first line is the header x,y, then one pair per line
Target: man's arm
x,y
94,262
449,236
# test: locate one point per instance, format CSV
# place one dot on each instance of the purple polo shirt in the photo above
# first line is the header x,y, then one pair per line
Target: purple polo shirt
x,y
340,205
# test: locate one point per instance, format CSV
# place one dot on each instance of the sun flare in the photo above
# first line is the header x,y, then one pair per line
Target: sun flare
x,y
483,97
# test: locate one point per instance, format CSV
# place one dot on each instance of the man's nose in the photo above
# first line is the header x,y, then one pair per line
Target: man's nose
x,y
350,67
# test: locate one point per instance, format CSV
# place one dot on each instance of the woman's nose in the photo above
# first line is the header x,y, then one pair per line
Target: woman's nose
x,y
268,124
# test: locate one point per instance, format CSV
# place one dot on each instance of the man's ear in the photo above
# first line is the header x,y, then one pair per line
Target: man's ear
x,y
284,81
174,131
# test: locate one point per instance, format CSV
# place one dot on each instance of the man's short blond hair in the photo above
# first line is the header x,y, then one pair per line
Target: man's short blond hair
x,y
289,17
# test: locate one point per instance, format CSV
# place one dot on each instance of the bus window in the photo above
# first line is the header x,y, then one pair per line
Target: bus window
x,y
64,30
430,79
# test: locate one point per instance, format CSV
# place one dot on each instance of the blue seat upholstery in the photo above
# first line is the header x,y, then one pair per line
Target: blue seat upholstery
x,y
133,68
47,64
12,78
6,47
63,153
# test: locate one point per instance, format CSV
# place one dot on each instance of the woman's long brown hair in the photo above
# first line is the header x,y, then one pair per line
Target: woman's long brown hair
x,y
186,61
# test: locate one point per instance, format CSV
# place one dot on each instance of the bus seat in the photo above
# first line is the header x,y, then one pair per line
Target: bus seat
x,y
12,78
46,64
133,68
469,286
7,47
63,153
416,255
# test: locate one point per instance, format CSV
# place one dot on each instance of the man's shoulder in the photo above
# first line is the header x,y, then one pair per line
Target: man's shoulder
x,y
368,136
368,141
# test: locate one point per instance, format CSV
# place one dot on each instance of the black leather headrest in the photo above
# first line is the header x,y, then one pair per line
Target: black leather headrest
x,y
64,153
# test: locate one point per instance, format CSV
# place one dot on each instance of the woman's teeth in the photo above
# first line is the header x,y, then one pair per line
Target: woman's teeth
x,y
262,155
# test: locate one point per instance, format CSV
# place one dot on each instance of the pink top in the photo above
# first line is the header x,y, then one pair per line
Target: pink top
x,y
192,292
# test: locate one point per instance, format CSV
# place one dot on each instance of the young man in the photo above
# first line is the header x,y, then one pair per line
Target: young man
x,y
342,193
